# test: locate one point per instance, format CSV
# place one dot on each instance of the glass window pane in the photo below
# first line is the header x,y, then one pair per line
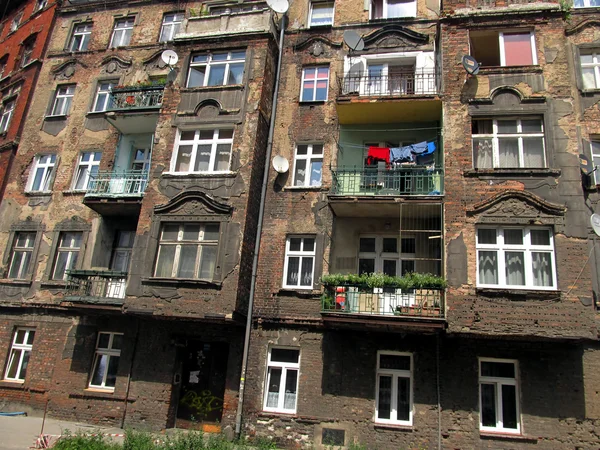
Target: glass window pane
x,y
486,236
403,401
488,405
226,133
483,153
273,387
164,264
540,237
103,340
15,358
542,269
203,158
309,244
293,269
20,337
300,175
408,245
508,152
306,274
196,77
191,232
187,261
302,150
531,125
589,77
509,406
111,375
236,73
307,91
587,59
208,262
517,49
390,245
285,355
513,236
389,267
515,268
170,232
384,405
394,362
316,168
211,232
184,156
216,75
488,267
497,369
507,126
187,136
222,157
24,365
61,266
15,267
295,244
367,245
291,381
366,266
117,342
533,152
99,369
30,337
37,180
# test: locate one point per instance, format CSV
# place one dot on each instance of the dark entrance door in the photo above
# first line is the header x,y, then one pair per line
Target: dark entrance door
x,y
203,373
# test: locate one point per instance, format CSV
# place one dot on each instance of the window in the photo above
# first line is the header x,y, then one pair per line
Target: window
x,y
106,360
27,52
80,39
102,102
315,84
3,62
586,3
308,165
62,100
299,262
217,69
321,14
498,396
493,48
596,160
508,143
122,32
281,391
170,26
590,70
516,258
203,151
14,25
67,252
87,169
20,352
379,254
394,388
388,9
6,114
41,173
21,255
187,251
40,4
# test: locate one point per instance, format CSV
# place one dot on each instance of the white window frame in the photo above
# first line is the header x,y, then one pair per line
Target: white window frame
x,y
385,11
23,263
71,250
99,352
595,149
210,62
200,242
173,25
301,254
495,136
47,166
27,53
40,4
498,382
86,169
526,248
320,5
309,158
501,34
395,374
25,348
586,3
379,256
101,90
7,111
285,367
195,143
122,32
63,98
85,31
14,25
316,81
595,64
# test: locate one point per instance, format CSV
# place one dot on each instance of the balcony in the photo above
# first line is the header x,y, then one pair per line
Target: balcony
x,y
380,181
96,287
134,109
405,96
116,192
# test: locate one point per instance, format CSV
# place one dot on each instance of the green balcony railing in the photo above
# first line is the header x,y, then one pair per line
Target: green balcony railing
x,y
118,184
382,181
383,301
134,97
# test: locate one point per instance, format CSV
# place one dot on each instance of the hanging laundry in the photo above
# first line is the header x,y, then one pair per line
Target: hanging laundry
x,y
376,154
401,154
418,148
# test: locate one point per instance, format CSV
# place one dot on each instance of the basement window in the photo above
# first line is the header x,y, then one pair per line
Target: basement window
x,y
281,390
20,353
499,396
106,361
503,48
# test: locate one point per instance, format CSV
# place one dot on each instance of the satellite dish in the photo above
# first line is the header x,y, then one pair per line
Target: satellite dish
x,y
169,57
585,165
172,76
280,164
470,64
279,6
595,221
353,40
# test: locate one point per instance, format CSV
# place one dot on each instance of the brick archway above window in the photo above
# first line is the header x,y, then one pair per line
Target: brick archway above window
x,y
393,36
518,207
193,204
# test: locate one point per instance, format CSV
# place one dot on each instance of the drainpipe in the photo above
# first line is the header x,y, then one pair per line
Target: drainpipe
x,y
261,212
133,351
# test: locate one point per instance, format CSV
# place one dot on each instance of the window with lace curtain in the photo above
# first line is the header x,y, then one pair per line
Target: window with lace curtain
x,y
281,390
299,262
516,258
508,143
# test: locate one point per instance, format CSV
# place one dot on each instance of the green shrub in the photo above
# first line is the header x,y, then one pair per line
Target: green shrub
x,y
376,280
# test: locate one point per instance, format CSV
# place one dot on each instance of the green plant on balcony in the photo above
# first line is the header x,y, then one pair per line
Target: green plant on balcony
x,y
151,84
379,280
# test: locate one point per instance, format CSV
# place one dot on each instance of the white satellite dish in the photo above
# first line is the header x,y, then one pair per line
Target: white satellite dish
x,y
279,6
280,164
169,57
595,221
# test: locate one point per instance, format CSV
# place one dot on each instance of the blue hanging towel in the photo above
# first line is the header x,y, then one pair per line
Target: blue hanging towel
x,y
401,154
419,148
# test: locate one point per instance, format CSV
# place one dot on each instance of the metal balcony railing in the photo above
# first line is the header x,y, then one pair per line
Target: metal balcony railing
x,y
376,181
132,97
420,82
96,286
118,184
386,301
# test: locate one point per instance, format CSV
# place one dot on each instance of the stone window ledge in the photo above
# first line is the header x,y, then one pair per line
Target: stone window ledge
x,y
221,87
510,69
511,172
56,118
103,394
38,193
181,281
24,283
390,426
181,176
306,188
53,284
12,384
526,294
303,293
506,436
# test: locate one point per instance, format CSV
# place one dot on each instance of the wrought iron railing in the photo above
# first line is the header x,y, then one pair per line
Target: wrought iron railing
x,y
383,181
420,82
126,183
96,286
386,301
135,98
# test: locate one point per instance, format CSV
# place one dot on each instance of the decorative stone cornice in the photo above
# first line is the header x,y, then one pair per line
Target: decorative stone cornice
x,y
193,203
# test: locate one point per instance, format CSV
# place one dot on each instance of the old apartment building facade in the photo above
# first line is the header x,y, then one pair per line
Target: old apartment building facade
x,y
427,274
